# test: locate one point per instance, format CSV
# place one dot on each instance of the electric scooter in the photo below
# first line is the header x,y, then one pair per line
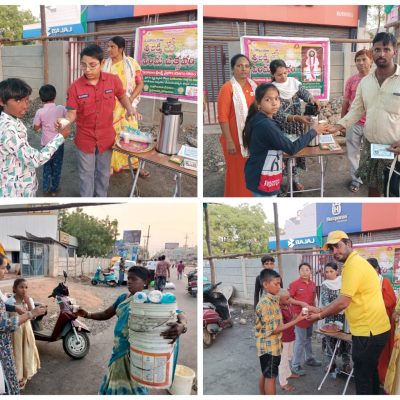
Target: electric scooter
x,y
109,278
216,313
68,328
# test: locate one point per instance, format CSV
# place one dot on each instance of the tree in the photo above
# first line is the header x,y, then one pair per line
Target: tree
x,y
235,230
12,20
375,18
96,237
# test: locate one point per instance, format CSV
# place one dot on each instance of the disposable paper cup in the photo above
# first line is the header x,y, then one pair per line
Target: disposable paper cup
x,y
63,122
304,310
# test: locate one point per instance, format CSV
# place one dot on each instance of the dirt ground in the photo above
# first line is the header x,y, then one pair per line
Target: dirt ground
x,y
231,365
160,183
337,175
61,375
90,298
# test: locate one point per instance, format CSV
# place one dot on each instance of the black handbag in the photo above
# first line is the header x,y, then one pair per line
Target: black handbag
x,y
392,179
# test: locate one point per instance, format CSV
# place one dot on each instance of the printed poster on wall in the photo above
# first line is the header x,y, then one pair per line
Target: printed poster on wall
x,y
307,59
167,55
388,256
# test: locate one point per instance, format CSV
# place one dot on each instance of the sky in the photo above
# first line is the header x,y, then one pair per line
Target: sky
x,y
287,208
169,222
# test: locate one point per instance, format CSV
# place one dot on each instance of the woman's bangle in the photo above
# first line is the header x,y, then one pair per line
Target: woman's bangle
x,y
319,316
89,315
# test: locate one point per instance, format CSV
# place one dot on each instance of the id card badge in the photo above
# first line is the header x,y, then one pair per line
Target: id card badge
x,y
381,151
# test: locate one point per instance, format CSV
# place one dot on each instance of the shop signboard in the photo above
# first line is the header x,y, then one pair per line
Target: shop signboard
x,y
339,216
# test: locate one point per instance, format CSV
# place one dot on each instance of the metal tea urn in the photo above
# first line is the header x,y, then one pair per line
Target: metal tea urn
x,y
171,121
311,110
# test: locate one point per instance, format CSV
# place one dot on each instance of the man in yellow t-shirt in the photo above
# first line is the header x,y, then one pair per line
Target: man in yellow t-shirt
x,y
361,298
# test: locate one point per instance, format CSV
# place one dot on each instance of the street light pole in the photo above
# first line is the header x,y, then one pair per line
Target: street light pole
x,y
208,241
45,45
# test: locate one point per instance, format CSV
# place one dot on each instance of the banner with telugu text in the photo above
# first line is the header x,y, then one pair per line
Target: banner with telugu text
x,y
167,55
307,59
388,256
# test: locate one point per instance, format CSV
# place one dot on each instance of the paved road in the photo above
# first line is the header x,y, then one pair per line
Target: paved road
x,y
61,375
231,366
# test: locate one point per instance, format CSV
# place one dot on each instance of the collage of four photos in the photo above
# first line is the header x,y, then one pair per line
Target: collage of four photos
x,y
185,199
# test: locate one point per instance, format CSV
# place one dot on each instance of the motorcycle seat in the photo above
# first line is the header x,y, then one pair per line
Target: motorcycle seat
x,y
207,306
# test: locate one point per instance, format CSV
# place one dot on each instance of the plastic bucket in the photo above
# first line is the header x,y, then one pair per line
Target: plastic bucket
x,y
154,310
151,361
183,380
150,317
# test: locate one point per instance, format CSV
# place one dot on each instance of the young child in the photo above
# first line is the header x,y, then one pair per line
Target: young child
x,y
266,142
288,337
91,101
18,160
26,355
269,325
291,91
304,290
45,119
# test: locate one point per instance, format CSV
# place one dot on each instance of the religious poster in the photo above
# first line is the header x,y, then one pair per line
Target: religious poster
x,y
307,59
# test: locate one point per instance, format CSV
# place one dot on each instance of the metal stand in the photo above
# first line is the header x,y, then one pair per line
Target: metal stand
x,y
135,176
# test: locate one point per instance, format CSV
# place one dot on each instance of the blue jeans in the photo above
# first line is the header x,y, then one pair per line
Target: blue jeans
x,y
302,345
255,194
52,171
160,283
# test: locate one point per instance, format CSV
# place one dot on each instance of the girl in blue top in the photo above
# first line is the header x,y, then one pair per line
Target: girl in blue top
x,y
266,142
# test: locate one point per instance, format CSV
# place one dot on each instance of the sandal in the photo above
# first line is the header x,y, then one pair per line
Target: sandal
x,y
333,367
143,173
298,187
288,387
354,186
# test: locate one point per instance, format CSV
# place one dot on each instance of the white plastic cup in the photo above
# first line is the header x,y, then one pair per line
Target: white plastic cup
x,y
64,122
304,310
314,121
75,308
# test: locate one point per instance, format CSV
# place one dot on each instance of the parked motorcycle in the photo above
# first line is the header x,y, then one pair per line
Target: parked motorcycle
x,y
216,313
68,328
192,282
108,279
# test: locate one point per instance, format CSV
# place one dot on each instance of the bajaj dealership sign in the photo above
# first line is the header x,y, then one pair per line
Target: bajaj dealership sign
x,y
308,241
339,216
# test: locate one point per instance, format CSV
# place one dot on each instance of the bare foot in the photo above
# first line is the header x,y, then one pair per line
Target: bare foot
x,y
294,376
288,387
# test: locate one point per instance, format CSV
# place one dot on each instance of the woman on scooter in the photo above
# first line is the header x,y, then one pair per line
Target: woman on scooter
x,y
8,375
117,380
